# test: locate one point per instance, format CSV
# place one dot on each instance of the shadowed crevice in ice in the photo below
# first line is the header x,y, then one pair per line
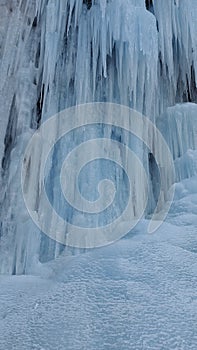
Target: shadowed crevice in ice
x,y
10,136
88,3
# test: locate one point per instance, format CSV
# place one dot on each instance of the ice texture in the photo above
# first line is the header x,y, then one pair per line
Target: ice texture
x,y
178,125
139,293
56,54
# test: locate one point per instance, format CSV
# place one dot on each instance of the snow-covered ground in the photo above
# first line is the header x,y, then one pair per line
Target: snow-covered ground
x,y
139,293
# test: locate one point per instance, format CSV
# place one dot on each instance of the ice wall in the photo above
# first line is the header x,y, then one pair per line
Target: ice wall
x,y
55,54
178,125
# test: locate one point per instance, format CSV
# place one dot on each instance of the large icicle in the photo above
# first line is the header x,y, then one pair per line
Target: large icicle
x,y
178,124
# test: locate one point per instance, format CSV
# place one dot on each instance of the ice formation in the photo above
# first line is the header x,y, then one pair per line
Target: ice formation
x,y
56,54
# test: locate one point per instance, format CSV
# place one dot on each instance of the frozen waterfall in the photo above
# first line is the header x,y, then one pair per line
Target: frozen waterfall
x,y
58,54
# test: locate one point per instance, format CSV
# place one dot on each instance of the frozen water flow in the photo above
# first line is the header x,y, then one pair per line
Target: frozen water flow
x,y
58,54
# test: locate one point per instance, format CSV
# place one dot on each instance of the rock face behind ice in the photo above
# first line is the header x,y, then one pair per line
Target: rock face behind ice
x,y
55,54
